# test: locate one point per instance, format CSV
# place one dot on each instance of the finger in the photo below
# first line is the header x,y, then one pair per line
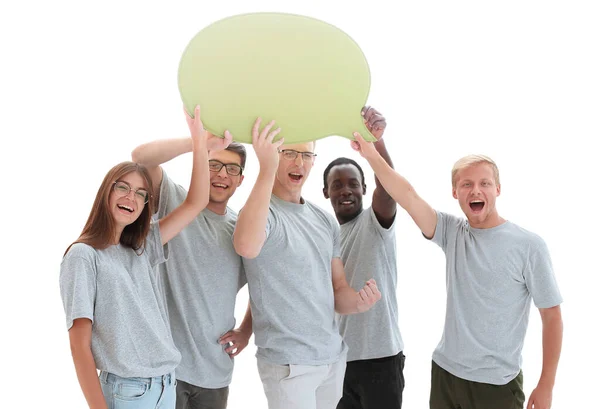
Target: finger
x,y
273,135
354,145
255,129
227,138
363,295
361,141
364,110
530,402
228,337
278,143
231,350
264,133
369,291
236,352
377,122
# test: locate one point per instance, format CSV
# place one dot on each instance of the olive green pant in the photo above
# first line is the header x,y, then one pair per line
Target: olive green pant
x,y
451,392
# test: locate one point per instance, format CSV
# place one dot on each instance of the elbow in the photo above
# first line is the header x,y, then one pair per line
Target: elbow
x,y
246,250
136,156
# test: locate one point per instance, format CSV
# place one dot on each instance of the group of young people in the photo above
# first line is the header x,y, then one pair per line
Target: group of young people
x,y
150,285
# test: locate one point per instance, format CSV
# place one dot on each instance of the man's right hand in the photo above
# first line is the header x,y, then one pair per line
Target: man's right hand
x,y
265,148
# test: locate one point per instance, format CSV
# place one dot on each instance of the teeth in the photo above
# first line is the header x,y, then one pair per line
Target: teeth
x,y
219,185
477,201
347,202
126,208
295,174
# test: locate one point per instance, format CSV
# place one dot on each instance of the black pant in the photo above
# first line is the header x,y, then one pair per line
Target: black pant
x,y
374,383
195,397
451,392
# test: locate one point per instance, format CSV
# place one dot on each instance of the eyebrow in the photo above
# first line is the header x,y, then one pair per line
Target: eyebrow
x,y
134,189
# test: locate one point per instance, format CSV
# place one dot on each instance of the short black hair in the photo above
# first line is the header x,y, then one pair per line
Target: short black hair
x,y
240,150
342,161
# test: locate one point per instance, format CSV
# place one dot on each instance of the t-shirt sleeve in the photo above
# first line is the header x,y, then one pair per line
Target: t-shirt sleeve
x,y
78,283
382,230
539,276
270,222
157,253
441,228
335,231
171,196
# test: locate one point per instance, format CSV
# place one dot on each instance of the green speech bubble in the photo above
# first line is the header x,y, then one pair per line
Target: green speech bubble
x,y
307,75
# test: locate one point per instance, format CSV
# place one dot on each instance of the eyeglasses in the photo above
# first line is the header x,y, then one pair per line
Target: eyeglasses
x,y
291,154
123,189
232,169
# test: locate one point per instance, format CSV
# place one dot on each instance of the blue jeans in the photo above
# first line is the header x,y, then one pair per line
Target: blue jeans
x,y
138,393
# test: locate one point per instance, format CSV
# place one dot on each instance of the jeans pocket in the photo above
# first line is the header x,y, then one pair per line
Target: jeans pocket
x,y
130,390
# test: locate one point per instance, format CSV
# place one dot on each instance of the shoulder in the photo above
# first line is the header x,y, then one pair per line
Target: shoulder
x,y
81,250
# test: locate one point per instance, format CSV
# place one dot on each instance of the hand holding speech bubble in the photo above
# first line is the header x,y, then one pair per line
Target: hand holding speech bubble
x,y
307,75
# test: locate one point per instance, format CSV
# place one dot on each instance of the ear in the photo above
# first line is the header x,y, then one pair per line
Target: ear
x,y
498,190
454,195
364,188
325,193
241,180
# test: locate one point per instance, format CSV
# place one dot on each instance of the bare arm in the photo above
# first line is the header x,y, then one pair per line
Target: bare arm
x,y
155,153
552,333
80,337
199,192
249,235
384,206
348,301
399,188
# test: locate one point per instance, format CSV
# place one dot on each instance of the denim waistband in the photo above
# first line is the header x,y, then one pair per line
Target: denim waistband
x,y
167,379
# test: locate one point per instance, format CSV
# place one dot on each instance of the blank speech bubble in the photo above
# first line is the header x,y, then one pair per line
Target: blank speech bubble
x,y
307,75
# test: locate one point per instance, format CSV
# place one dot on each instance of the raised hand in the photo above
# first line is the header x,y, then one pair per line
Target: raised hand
x,y
368,296
374,121
265,148
366,149
199,134
216,143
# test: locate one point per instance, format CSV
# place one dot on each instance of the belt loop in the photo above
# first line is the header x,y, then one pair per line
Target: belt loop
x,y
103,376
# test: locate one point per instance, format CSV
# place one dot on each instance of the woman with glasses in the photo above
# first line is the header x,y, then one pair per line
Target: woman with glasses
x,y
115,318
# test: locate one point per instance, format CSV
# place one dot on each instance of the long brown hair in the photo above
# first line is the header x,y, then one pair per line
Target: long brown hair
x,y
99,230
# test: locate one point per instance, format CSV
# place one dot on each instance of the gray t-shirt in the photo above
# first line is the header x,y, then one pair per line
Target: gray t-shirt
x,y
291,291
369,250
491,277
117,289
200,282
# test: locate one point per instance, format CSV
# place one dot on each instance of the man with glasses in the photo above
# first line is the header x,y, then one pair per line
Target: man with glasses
x,y
295,278
203,274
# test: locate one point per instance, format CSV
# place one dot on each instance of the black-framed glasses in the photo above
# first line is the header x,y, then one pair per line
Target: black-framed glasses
x,y
122,189
232,169
291,154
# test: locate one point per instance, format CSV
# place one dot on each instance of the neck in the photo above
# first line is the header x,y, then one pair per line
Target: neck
x,y
217,207
493,220
118,232
285,194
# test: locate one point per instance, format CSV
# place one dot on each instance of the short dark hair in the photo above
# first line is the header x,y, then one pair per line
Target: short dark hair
x,y
342,161
240,150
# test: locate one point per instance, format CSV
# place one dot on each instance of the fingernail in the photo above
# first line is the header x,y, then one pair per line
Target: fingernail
x,y
355,134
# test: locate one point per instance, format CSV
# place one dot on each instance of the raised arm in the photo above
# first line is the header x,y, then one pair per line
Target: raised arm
x,y
348,301
80,337
155,153
384,206
398,187
249,235
199,192
552,333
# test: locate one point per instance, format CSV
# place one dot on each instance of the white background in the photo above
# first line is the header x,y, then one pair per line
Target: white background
x,y
83,83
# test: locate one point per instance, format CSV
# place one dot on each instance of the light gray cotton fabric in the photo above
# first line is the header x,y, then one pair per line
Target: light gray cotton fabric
x,y
291,290
369,251
118,290
200,282
491,277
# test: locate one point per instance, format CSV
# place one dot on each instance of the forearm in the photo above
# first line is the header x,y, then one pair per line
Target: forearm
x,y
250,227
346,300
382,150
246,325
394,184
552,334
85,368
155,153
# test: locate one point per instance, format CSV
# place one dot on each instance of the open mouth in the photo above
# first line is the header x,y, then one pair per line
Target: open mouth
x,y
219,186
477,205
125,208
296,177
346,202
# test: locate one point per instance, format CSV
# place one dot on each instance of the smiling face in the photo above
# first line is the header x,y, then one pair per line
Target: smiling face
x,y
476,190
291,174
345,190
127,207
222,184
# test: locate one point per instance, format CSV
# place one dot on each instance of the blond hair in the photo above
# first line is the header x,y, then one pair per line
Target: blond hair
x,y
471,160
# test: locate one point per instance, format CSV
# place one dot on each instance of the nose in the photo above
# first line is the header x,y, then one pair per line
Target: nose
x,y
223,172
130,195
299,160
